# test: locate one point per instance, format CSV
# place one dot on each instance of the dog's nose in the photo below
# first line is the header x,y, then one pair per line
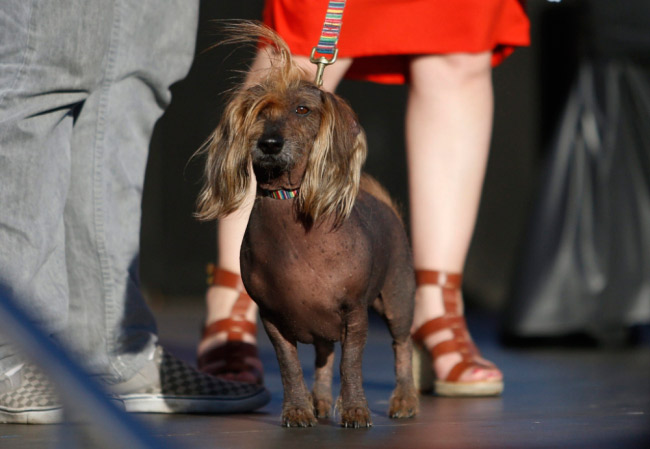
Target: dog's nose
x,y
270,144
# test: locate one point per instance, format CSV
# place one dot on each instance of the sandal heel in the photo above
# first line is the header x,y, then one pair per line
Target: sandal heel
x,y
422,371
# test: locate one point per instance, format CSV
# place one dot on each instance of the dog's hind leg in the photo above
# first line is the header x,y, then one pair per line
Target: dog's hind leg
x,y
297,408
394,307
404,402
322,391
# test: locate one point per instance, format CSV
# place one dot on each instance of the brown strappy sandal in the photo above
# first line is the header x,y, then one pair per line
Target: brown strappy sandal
x,y
461,343
234,359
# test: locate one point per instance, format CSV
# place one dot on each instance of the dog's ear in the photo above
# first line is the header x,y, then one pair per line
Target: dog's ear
x,y
227,170
331,182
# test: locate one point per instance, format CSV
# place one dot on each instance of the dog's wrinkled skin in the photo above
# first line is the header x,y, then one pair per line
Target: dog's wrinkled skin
x,y
315,263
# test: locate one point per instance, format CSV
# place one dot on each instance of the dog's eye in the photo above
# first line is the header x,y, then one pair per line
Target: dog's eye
x,y
302,110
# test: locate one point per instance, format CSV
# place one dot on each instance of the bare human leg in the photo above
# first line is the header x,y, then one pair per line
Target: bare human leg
x,y
448,128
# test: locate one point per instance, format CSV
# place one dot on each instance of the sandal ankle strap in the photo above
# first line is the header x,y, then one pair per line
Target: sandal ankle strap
x,y
434,325
236,324
236,328
443,279
224,278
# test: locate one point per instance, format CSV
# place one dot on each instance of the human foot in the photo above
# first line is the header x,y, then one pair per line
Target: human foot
x,y
168,385
228,348
439,326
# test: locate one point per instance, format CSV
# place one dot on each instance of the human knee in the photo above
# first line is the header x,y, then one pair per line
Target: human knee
x,y
449,71
466,64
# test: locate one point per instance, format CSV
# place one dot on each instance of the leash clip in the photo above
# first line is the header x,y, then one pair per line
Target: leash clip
x,y
321,63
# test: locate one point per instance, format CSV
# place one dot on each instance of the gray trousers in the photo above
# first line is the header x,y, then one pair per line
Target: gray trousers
x,y
82,83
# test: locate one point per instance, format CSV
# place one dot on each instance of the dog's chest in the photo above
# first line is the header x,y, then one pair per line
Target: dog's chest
x,y
305,281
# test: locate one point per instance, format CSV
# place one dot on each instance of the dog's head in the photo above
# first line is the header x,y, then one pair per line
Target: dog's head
x,y
293,135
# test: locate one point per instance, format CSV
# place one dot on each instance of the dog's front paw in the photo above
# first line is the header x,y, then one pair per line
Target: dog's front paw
x,y
404,404
294,416
356,417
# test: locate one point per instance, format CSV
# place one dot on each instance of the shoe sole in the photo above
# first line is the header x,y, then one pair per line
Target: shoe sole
x,y
425,381
150,403
468,389
36,416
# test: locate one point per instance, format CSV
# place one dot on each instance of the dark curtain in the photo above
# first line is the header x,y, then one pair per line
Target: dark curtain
x,y
585,265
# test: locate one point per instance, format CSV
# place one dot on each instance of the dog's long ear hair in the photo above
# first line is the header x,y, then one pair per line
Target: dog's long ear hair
x,y
226,174
331,182
227,170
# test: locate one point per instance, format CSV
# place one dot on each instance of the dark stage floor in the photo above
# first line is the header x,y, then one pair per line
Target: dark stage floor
x,y
554,398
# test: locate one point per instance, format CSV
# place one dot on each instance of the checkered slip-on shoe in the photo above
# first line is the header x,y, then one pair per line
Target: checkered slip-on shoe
x,y
169,385
34,402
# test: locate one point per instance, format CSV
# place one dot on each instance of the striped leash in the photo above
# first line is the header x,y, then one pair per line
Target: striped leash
x,y
328,39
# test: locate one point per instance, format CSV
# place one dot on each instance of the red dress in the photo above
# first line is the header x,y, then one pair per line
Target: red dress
x,y
380,34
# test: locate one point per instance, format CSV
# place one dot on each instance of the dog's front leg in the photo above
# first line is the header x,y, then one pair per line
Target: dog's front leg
x,y
352,402
297,408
